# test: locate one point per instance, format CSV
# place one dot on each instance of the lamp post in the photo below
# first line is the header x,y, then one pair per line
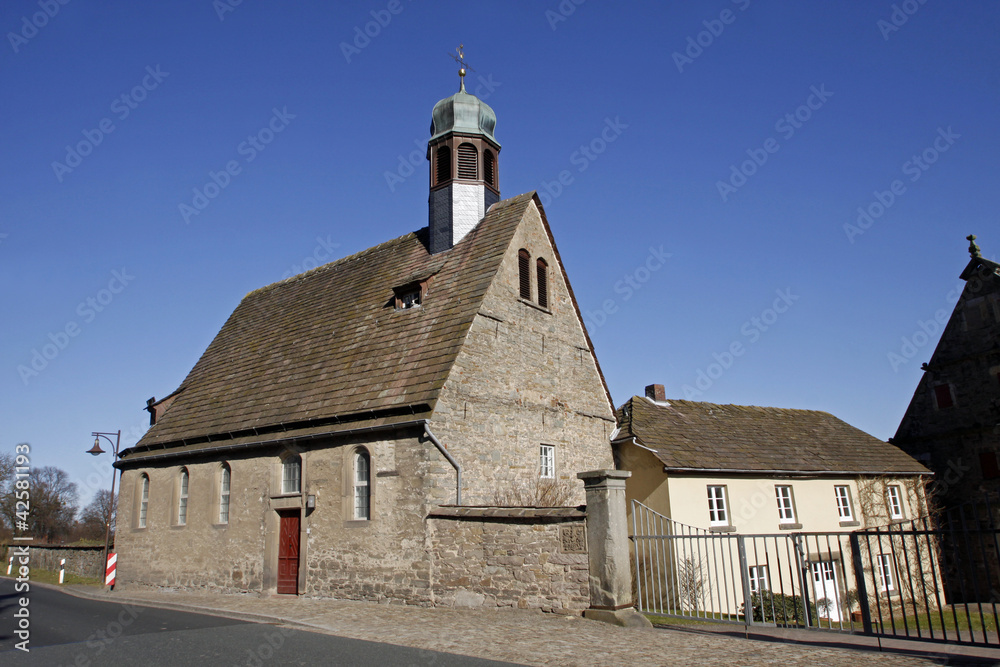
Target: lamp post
x,y
96,450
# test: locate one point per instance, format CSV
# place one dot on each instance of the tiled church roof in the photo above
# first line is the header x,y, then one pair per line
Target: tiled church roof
x,y
326,349
694,436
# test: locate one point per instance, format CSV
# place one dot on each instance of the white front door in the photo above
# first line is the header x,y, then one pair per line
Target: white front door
x,y
825,588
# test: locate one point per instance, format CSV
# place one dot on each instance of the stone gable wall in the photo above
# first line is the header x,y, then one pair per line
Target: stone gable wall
x,y
523,563
950,440
525,377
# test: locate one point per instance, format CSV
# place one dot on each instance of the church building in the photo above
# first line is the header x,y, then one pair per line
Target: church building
x,y
337,410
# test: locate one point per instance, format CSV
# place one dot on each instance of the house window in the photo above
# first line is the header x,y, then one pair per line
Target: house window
x,y
758,578
524,273
843,494
291,474
786,509
362,485
895,500
468,157
224,481
717,513
988,465
942,395
547,462
443,164
143,500
886,573
182,504
543,283
489,168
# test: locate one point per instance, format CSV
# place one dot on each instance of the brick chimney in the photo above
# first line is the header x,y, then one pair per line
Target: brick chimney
x,y
654,392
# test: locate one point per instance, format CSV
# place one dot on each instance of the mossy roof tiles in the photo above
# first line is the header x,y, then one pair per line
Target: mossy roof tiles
x,y
695,436
328,343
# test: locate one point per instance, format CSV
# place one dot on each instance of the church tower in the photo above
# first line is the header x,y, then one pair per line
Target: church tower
x,y
463,166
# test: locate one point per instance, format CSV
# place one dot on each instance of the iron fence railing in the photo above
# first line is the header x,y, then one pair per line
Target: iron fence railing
x,y
932,580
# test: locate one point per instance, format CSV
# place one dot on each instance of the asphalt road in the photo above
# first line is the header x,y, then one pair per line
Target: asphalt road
x,y
66,630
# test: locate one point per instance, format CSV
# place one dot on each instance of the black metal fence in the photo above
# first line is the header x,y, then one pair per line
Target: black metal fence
x,y
932,580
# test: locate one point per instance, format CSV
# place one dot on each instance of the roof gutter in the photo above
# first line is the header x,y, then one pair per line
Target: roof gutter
x,y
137,462
793,473
451,459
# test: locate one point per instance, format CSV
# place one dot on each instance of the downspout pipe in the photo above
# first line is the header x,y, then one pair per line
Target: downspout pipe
x,y
451,459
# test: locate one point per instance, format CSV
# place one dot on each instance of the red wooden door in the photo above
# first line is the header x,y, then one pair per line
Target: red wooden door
x,y
288,553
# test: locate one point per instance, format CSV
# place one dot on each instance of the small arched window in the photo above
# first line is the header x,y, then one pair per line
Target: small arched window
x,y
443,164
291,474
489,168
225,479
468,158
362,485
524,273
543,283
143,499
182,503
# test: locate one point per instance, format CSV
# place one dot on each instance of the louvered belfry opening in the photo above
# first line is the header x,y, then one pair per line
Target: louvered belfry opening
x,y
468,158
524,273
489,168
543,283
443,164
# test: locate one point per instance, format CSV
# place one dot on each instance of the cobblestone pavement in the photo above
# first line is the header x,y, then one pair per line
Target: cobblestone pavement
x,y
525,637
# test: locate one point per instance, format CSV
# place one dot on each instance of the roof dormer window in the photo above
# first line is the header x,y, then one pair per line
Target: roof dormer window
x,y
410,295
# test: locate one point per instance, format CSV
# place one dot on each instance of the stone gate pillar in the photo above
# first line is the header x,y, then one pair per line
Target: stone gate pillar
x,y
607,548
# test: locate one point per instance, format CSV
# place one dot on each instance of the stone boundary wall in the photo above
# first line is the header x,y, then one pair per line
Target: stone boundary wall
x,y
82,561
520,557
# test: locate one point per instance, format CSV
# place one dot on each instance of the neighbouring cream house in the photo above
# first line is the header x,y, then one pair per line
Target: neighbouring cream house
x,y
718,470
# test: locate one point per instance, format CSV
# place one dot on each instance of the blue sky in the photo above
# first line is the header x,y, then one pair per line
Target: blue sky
x,y
739,138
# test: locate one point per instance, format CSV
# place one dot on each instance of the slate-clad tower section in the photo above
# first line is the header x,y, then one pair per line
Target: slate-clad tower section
x,y
463,153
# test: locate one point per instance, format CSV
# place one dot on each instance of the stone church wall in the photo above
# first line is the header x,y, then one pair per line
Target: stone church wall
x,y
522,558
525,377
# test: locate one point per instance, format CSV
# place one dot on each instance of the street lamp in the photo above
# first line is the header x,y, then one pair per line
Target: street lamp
x,y
96,450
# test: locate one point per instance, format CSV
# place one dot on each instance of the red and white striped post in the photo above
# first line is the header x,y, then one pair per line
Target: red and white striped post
x,y
109,574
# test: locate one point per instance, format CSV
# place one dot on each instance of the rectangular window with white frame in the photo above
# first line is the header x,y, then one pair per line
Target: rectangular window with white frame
x,y
718,512
886,573
844,508
758,578
895,501
786,508
547,462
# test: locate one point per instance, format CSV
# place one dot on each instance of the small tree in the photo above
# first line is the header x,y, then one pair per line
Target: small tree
x,y
690,584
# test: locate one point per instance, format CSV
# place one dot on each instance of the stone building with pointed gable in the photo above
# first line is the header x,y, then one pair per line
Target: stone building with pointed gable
x,y
952,423
311,448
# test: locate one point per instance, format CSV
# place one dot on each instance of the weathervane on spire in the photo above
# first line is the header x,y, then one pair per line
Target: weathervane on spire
x,y
460,59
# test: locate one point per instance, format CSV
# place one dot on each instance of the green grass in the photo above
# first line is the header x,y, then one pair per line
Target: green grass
x,y
50,577
974,622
